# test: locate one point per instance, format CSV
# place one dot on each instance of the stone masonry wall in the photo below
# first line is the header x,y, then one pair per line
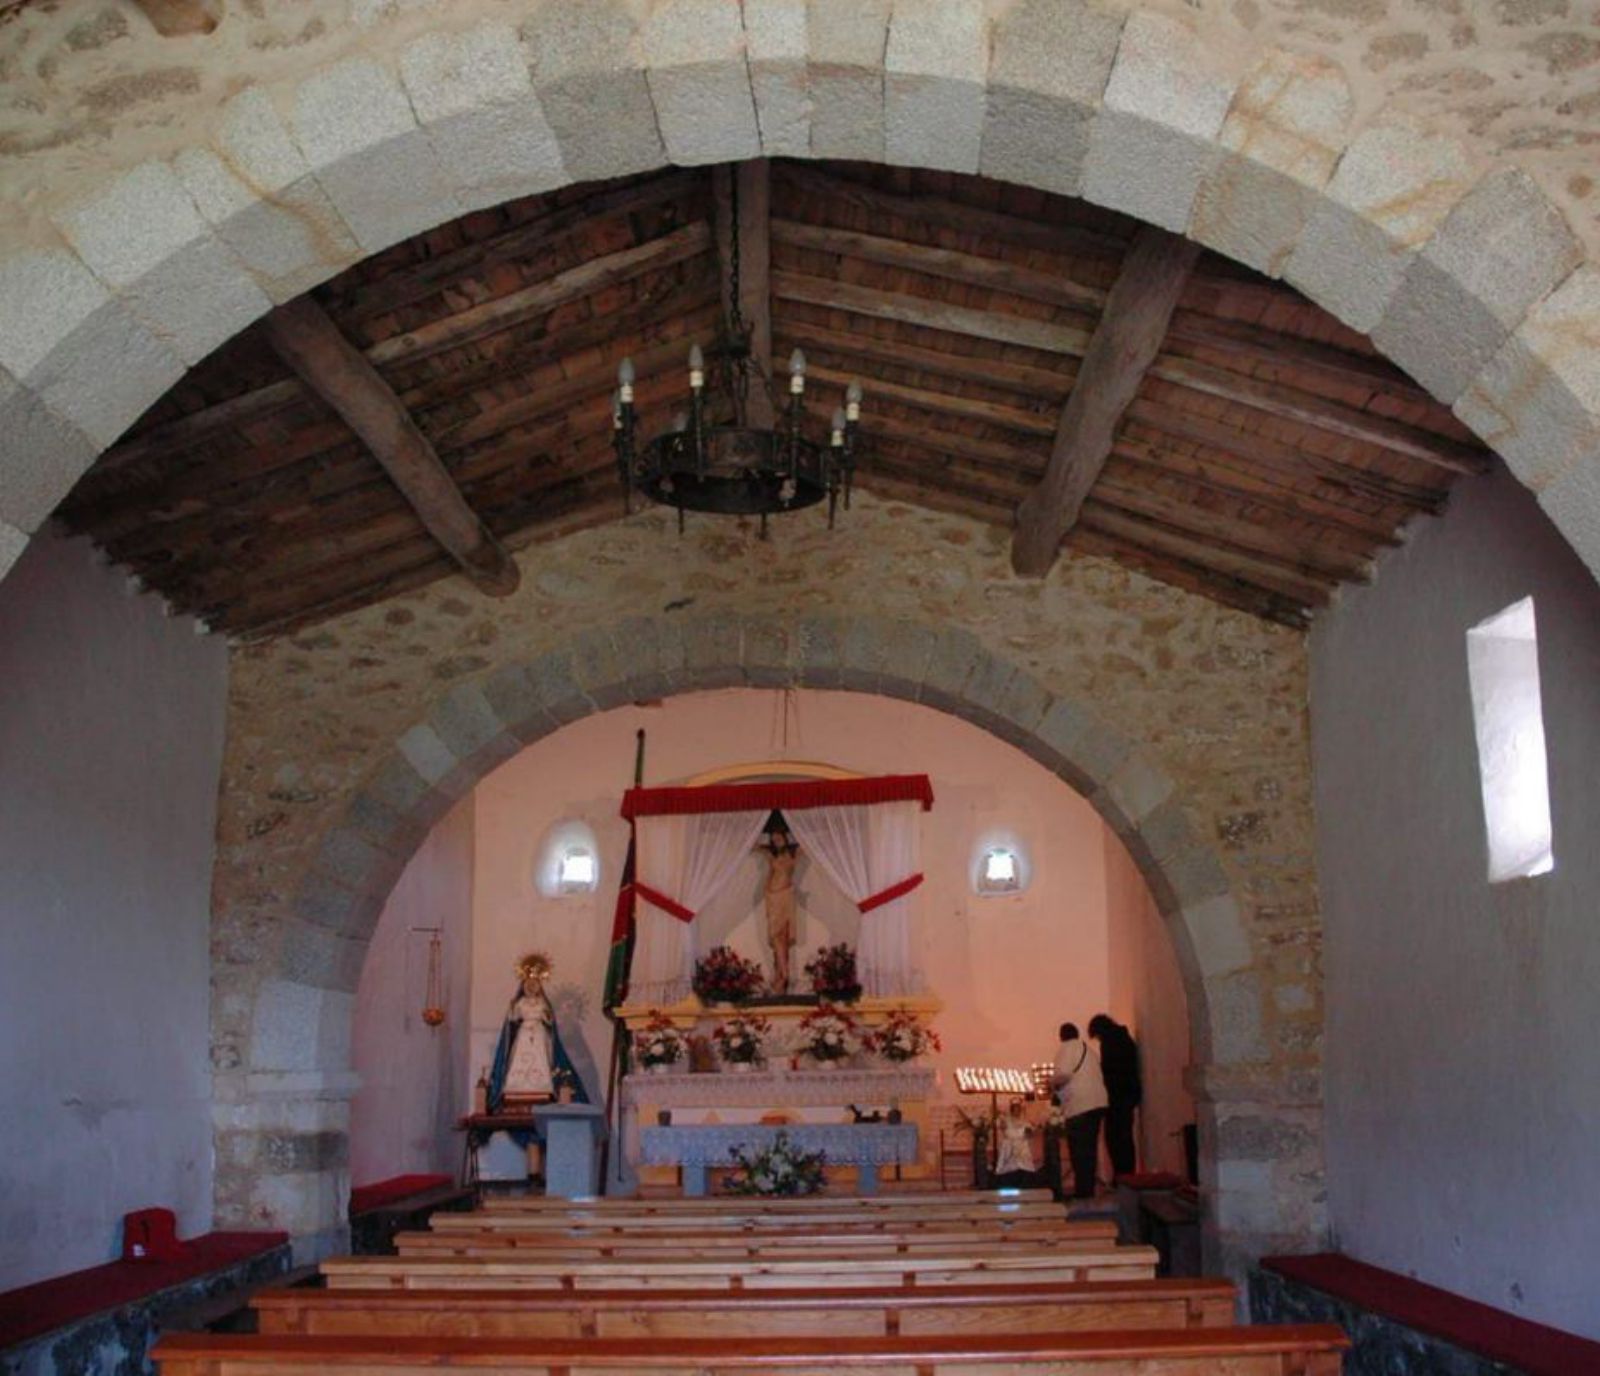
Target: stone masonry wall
x,y
1183,721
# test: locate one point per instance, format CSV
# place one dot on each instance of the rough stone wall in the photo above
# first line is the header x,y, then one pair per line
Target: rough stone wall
x,y
93,84
1183,721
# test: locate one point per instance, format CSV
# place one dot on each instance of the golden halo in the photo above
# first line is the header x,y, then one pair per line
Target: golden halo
x,y
535,965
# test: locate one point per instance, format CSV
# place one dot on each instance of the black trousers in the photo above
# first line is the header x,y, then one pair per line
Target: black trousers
x,y
1083,1148
1119,1137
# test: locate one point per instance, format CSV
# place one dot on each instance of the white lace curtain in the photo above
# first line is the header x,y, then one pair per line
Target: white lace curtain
x,y
685,859
869,851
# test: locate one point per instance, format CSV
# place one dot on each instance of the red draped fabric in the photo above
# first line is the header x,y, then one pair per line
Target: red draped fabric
x,y
889,894
667,905
783,797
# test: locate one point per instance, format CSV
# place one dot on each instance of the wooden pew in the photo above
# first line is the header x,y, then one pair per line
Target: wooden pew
x,y
1002,1264
755,1216
741,1245
919,1201
799,1226
1301,1350
544,1246
752,1313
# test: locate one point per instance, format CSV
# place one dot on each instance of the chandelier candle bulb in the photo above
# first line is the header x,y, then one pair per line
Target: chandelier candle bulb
x,y
797,373
838,429
697,368
625,377
852,402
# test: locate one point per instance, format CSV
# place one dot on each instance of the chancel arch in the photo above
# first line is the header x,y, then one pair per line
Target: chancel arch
x,y
995,975
296,1036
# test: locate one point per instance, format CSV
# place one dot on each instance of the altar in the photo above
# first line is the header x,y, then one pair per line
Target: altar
x,y
789,1089
725,1051
866,1146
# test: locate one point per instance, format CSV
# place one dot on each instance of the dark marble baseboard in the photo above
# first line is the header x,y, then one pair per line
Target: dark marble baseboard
x,y
117,1342
1379,1346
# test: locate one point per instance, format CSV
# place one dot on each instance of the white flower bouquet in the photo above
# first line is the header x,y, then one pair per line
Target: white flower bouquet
x,y
828,1034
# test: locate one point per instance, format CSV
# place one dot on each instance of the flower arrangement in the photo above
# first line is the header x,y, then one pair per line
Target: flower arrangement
x,y
781,1169
902,1037
833,974
828,1034
658,1043
722,975
739,1040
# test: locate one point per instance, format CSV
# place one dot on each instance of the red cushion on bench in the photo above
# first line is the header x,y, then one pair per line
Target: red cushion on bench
x,y
365,1198
1530,1347
1150,1180
50,1304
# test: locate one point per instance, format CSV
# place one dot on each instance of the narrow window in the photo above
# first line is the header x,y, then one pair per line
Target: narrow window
x,y
999,871
578,871
1503,666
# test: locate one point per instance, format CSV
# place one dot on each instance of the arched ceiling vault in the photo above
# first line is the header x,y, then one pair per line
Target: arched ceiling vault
x,y
1231,437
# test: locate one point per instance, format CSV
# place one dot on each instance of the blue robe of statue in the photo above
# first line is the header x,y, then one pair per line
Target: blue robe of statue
x,y
559,1062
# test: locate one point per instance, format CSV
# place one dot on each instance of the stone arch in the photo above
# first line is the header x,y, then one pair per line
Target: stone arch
x,y
111,285
298,1043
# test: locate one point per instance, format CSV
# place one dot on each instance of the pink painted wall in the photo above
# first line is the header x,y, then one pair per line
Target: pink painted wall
x,y
1147,997
1083,937
1009,969
413,1077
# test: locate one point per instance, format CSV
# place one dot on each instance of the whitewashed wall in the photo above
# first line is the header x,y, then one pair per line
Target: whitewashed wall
x,y
1462,1057
111,728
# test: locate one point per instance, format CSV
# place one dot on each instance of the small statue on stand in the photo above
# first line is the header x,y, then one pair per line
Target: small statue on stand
x,y
530,1063
527,1075
1016,1148
782,852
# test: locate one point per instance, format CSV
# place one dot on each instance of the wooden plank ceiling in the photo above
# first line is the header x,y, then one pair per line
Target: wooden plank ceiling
x,y
1235,441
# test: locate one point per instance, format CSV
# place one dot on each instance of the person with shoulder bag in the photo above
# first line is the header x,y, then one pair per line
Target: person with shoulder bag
x,y
1081,1092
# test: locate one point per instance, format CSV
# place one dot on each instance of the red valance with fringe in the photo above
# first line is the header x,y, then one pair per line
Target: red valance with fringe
x,y
795,794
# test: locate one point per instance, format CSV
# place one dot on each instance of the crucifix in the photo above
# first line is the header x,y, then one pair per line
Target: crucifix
x,y
782,852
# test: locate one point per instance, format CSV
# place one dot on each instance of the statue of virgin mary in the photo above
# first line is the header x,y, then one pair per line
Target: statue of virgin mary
x,y
530,1062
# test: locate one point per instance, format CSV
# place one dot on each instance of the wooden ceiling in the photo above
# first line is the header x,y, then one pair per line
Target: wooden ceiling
x,y
1231,438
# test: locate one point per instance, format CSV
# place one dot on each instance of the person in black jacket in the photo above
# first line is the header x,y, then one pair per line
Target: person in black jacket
x,y
1119,1066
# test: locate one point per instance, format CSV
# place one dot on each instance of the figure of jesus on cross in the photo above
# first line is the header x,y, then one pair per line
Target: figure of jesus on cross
x,y
782,851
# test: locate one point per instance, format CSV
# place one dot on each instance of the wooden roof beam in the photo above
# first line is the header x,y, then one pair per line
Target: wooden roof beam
x,y
1271,398
453,331
311,344
753,183
1124,345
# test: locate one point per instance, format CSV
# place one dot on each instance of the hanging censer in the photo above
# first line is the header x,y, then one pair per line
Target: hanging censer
x,y
433,1000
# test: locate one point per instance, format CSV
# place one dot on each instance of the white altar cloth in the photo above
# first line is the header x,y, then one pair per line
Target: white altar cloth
x,y
864,1145
781,1088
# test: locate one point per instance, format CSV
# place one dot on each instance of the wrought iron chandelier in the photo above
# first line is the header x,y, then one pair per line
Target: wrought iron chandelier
x,y
713,458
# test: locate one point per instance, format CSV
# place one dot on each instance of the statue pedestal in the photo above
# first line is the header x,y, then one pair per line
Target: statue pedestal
x,y
572,1134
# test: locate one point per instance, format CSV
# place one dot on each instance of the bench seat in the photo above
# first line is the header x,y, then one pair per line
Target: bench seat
x,y
996,1266
751,1243
752,1313
34,1310
383,1194
1311,1350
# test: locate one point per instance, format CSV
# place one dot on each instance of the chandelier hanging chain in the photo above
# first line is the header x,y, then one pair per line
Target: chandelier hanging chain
x,y
736,356
700,465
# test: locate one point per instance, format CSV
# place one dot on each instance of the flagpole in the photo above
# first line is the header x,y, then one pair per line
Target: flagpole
x,y
618,1028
